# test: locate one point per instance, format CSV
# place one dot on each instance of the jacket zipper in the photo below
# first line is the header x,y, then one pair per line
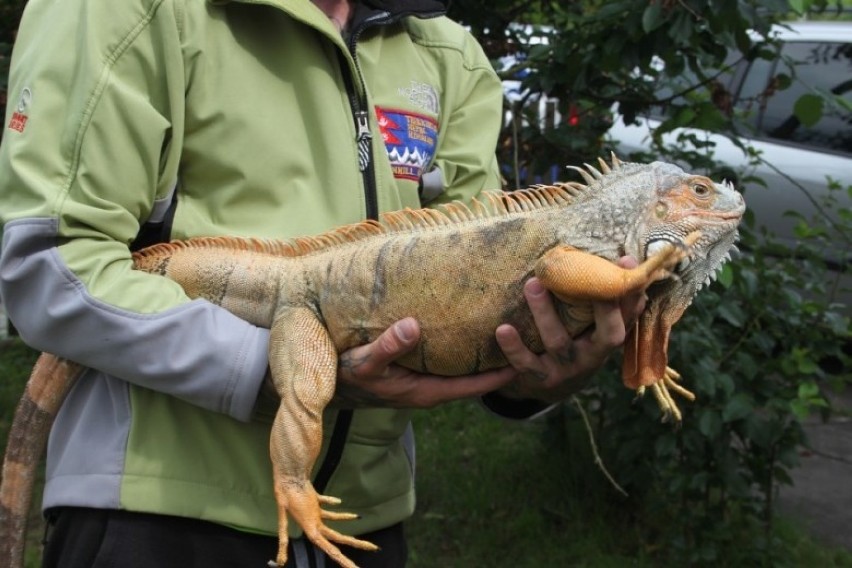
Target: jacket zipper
x,y
360,112
359,106
363,138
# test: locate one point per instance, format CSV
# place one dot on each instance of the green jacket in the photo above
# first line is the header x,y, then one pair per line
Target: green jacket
x,y
251,109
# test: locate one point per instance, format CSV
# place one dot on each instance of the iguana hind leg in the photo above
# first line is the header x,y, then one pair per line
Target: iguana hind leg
x,y
303,362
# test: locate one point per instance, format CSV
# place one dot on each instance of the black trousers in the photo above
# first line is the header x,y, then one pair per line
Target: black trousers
x,y
100,538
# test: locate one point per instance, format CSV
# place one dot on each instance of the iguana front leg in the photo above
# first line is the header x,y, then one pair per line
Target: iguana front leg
x,y
573,275
303,362
646,357
662,394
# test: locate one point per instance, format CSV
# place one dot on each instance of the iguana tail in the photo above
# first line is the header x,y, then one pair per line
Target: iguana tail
x,y
49,383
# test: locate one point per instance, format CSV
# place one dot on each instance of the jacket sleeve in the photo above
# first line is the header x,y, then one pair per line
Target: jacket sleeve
x,y
466,154
96,96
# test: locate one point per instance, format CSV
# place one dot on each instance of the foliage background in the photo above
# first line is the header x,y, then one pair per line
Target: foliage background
x,y
765,346
10,15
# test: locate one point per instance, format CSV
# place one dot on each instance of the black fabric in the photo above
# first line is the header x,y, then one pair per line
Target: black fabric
x,y
336,445
408,6
100,538
154,233
514,408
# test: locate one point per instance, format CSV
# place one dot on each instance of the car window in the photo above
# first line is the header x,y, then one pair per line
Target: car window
x,y
818,67
750,81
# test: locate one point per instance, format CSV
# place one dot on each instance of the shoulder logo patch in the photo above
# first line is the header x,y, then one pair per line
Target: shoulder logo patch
x,y
19,118
410,139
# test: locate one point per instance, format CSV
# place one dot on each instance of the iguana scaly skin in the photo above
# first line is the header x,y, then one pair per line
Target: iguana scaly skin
x,y
459,271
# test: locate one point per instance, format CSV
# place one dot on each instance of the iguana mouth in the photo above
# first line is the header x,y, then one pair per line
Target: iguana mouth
x,y
731,215
716,214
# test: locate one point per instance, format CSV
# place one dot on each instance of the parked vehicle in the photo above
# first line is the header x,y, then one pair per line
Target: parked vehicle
x,y
794,159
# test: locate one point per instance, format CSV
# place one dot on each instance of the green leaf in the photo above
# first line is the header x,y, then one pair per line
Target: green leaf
x,y
726,276
684,117
699,480
725,383
710,424
808,366
782,80
800,408
652,18
750,280
759,431
737,408
731,314
800,6
808,109
789,456
808,390
783,477
665,446
611,9
681,28
540,51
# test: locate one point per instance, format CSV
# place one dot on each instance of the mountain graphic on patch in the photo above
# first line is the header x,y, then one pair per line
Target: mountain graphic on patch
x,y
410,139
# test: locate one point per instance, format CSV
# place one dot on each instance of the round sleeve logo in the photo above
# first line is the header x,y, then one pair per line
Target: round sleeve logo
x,y
19,118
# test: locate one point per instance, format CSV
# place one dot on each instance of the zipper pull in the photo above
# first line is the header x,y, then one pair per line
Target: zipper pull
x,y
363,138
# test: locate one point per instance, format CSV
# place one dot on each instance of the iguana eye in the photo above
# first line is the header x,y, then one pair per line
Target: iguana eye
x,y
701,190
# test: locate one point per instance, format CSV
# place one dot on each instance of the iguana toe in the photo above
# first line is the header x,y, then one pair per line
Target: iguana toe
x,y
299,499
662,390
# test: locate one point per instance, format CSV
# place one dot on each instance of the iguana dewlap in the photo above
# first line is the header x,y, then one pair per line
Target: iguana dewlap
x,y
459,271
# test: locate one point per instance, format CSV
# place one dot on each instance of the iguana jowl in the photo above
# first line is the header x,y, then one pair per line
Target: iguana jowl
x,y
458,270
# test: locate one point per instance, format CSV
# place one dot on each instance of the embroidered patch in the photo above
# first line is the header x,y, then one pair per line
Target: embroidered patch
x,y
19,118
410,139
421,95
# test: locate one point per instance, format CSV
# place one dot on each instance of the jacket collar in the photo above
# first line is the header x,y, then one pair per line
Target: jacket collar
x,y
408,7
394,8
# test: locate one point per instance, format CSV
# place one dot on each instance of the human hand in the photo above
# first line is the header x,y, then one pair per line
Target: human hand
x,y
566,364
368,377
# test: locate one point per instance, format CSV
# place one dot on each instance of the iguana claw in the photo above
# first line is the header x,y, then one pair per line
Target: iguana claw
x,y
302,502
661,390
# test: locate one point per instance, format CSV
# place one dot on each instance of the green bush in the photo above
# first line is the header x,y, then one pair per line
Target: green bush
x,y
10,15
762,346
759,358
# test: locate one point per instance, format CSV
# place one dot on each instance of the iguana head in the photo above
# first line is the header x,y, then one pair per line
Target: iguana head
x,y
681,204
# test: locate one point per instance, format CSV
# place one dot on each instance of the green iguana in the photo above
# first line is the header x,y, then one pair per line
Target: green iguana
x,y
459,270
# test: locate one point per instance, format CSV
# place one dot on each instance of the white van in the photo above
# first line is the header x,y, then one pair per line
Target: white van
x,y
796,161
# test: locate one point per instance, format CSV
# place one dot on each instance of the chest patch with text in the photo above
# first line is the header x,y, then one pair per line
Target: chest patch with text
x,y
410,139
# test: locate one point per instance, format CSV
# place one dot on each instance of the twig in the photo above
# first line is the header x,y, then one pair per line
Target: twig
x,y
594,446
686,7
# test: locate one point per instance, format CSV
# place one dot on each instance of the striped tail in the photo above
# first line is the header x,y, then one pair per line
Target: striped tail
x,y
49,383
